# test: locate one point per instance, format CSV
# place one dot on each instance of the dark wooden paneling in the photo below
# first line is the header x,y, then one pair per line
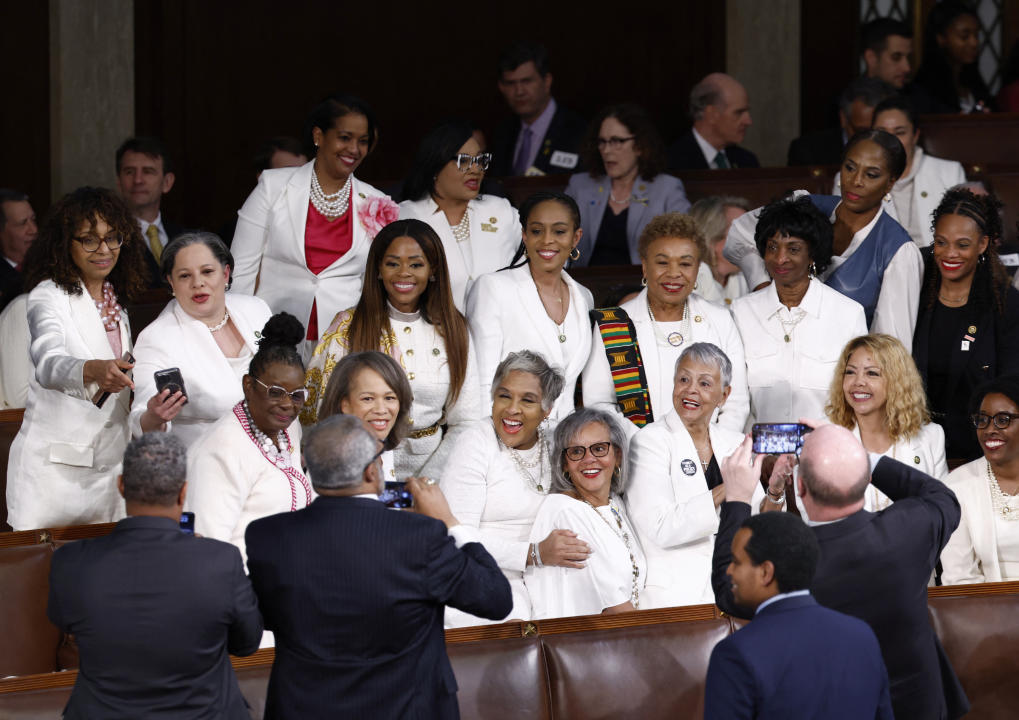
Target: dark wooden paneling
x,y
828,58
215,79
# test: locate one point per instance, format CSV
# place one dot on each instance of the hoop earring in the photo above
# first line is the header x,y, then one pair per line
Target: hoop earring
x,y
813,270
643,282
575,256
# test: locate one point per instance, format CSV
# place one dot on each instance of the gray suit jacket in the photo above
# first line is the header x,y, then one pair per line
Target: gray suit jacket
x,y
651,197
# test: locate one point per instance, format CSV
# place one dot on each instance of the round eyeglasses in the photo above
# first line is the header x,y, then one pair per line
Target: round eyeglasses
x,y
91,243
278,394
1001,420
576,453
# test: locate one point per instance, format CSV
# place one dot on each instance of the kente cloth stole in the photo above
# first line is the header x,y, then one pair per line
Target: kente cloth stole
x,y
620,340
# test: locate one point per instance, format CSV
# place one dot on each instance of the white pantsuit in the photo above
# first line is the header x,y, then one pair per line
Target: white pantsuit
x,y
924,451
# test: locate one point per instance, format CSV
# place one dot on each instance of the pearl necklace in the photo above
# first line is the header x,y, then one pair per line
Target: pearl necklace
x,y
675,339
1002,501
625,537
462,230
109,309
331,206
523,466
278,456
789,325
222,323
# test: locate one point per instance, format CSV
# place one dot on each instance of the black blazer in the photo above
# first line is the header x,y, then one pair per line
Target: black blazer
x,y
356,595
565,133
10,282
156,613
994,351
685,154
875,566
155,275
823,147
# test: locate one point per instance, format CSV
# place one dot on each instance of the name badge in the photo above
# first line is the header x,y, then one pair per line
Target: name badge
x,y
485,227
1010,259
566,160
965,345
688,467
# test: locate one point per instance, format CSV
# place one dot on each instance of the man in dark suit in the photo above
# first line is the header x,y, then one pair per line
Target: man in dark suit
x,y
720,110
355,592
856,110
781,665
18,229
873,566
144,175
156,612
542,137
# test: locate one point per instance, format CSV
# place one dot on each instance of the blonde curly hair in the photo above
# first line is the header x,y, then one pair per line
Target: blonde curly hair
x,y
906,402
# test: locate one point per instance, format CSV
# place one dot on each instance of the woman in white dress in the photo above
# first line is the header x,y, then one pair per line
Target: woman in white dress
x,y
718,280
500,473
794,329
208,334
248,464
675,481
480,233
65,459
406,311
536,305
877,393
372,387
588,479
654,328
985,546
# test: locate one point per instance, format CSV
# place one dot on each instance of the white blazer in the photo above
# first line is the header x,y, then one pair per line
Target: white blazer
x,y
268,248
15,361
65,460
506,315
175,339
971,555
672,509
495,236
924,451
709,323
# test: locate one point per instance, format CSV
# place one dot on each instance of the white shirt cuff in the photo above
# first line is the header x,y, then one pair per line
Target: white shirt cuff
x,y
463,534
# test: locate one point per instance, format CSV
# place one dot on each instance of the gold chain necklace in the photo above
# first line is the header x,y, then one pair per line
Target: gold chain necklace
x,y
625,537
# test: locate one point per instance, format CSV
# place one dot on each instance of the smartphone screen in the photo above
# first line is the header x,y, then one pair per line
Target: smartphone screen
x,y
778,438
396,495
187,523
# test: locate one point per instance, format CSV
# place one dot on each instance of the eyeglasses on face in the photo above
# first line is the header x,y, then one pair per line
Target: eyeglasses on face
x,y
91,243
1001,420
576,453
278,394
613,142
464,161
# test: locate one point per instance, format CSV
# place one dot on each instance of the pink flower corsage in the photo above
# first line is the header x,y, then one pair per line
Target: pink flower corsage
x,y
377,212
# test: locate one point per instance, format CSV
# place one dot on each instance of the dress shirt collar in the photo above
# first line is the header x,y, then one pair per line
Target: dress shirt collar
x,y
158,222
860,235
540,125
10,262
819,523
709,150
367,496
781,596
811,302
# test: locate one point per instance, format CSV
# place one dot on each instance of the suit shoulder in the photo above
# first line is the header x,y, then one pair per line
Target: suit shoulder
x,y
582,182
368,189
250,306
495,204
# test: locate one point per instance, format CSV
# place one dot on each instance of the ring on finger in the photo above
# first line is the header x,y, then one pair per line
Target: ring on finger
x,y
430,481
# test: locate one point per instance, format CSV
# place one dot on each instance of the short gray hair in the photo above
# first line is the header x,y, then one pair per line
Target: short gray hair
x,y
568,429
709,214
337,451
550,378
704,94
709,354
155,468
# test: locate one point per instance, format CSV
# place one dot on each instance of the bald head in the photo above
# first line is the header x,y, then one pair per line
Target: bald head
x,y
835,470
720,109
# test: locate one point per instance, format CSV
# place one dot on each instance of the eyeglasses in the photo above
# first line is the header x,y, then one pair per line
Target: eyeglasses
x,y
614,142
464,161
1001,420
278,394
576,453
91,243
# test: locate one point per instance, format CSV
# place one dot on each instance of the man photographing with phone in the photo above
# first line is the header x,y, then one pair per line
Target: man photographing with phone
x,y
355,593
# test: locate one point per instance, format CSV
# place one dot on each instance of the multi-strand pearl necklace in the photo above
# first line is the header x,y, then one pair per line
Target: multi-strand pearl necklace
x,y
462,230
331,206
788,326
109,309
524,467
625,537
1002,502
274,450
278,456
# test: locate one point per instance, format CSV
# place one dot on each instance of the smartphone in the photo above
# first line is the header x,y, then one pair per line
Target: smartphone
x,y
170,379
99,399
187,523
396,495
778,438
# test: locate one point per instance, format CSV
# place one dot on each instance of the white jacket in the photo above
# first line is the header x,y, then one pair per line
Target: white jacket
x,y
15,361
971,555
924,451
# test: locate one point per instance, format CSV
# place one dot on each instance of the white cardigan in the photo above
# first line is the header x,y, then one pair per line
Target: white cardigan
x,y
506,315
175,339
708,323
971,555
495,236
673,511
65,460
268,248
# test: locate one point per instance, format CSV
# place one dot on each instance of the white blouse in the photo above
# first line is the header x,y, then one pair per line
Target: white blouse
x,y
607,578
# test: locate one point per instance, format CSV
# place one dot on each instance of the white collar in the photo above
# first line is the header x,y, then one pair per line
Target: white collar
x,y
811,302
158,222
780,596
367,496
858,238
709,151
819,523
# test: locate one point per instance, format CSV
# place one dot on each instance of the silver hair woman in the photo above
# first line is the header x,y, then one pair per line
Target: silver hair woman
x,y
718,280
586,488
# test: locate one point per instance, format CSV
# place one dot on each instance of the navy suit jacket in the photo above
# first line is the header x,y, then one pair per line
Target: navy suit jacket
x,y
876,566
155,275
685,154
356,593
155,612
10,282
565,133
797,659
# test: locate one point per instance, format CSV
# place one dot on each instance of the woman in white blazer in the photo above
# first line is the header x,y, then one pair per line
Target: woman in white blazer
x,y
479,233
985,546
918,192
536,305
676,486
206,332
794,329
876,392
65,460
303,234
667,316
625,187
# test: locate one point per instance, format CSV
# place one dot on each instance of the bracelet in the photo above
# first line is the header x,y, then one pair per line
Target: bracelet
x,y
536,555
773,500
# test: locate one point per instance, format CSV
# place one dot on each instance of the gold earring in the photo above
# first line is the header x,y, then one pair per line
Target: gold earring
x,y
575,253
